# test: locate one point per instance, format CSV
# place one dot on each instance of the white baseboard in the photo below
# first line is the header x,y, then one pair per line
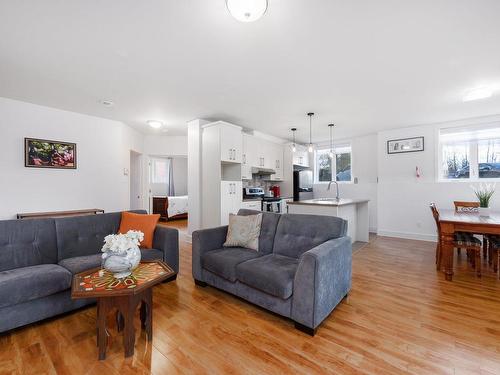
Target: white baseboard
x,y
408,235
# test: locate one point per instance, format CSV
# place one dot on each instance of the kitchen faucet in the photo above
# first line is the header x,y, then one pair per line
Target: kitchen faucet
x,y
330,185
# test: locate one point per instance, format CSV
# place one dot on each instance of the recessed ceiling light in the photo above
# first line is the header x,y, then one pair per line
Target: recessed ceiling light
x,y
155,124
478,93
247,10
106,102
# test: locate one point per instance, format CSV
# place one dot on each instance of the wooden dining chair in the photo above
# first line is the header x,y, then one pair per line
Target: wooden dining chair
x,y
462,240
462,206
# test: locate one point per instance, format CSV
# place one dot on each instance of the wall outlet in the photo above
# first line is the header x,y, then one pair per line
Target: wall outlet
x,y
125,171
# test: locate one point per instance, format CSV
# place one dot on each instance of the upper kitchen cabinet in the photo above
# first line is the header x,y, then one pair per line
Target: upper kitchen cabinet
x,y
277,161
231,142
301,157
246,158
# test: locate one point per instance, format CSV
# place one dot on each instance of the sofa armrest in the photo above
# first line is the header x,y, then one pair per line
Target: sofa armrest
x,y
322,280
167,240
205,240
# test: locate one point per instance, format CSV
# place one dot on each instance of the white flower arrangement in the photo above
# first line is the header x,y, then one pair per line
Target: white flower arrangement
x,y
484,192
120,243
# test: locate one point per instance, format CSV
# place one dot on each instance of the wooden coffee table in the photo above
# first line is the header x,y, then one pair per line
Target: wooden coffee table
x,y
123,295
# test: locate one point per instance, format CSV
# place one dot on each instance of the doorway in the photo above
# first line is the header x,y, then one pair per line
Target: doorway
x,y
136,201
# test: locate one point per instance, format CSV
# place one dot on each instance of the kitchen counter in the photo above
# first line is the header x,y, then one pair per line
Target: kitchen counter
x,y
354,211
329,202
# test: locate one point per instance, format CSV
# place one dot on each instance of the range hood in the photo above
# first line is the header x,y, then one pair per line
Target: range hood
x,y
261,171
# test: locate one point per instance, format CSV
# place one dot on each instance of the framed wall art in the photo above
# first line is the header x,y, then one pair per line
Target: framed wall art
x,y
400,146
42,153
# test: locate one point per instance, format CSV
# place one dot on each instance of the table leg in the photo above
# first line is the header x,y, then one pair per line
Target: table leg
x,y
147,313
129,329
447,245
120,323
485,247
101,328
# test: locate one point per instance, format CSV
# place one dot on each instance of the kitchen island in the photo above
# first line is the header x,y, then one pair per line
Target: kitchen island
x,y
355,211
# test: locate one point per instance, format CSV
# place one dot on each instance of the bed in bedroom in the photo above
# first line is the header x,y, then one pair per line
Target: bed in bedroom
x,y
171,208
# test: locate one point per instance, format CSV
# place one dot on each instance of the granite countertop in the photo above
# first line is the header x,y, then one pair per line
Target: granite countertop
x,y
329,202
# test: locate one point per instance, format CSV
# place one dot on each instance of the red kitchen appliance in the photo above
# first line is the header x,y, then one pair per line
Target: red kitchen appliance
x,y
276,191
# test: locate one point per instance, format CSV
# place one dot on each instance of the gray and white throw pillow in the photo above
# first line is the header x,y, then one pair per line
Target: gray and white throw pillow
x,y
244,231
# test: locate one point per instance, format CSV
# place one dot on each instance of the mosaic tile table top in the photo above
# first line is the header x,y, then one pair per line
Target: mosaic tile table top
x,y
98,282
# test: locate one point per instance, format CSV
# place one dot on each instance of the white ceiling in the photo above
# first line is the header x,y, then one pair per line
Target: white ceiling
x,y
365,65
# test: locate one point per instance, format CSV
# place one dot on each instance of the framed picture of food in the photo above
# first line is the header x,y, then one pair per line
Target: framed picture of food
x,y
42,153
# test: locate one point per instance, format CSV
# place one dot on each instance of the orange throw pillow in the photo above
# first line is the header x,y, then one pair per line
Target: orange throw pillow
x,y
144,223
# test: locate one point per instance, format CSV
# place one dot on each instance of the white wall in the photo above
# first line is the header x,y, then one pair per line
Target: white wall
x,y
103,152
165,145
180,175
403,199
364,167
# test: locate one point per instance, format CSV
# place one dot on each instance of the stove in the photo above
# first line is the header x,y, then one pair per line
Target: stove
x,y
268,204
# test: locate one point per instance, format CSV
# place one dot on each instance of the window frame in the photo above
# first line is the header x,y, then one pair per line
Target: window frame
x,y
334,164
153,170
473,151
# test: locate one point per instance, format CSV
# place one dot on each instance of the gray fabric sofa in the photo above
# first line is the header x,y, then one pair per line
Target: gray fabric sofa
x,y
39,257
301,271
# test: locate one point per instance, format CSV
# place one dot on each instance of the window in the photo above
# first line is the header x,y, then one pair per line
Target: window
x,y
469,153
159,169
338,169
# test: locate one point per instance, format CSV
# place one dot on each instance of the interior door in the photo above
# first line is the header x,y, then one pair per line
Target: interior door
x,y
135,177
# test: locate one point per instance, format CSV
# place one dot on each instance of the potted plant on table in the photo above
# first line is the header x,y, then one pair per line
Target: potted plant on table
x,y
484,192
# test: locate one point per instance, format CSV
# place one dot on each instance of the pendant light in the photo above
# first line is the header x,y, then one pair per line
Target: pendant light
x,y
332,154
246,10
294,147
311,146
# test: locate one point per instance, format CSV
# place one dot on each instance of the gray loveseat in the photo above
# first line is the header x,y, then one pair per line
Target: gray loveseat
x,y
301,271
38,258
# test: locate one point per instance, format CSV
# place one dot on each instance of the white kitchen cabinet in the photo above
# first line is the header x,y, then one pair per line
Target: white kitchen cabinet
x,y
221,185
231,199
231,143
252,205
246,158
301,156
258,152
277,159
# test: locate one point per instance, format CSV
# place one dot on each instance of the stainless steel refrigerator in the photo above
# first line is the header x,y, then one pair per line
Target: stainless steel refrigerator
x,y
302,185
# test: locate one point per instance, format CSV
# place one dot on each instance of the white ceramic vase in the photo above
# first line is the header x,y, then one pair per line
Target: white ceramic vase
x,y
484,211
121,264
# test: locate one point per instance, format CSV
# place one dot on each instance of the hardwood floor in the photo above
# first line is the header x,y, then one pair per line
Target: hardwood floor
x,y
401,317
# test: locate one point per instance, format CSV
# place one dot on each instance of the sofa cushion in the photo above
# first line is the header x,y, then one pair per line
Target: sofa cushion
x,y
243,231
267,231
271,273
29,283
297,234
25,243
84,235
223,262
140,222
86,262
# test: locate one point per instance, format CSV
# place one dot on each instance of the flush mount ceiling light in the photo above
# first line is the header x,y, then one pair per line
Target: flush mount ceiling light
x,y
311,146
106,102
155,124
247,10
478,93
294,147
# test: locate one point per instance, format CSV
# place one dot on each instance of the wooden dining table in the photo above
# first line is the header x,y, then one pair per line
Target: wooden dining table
x,y
452,221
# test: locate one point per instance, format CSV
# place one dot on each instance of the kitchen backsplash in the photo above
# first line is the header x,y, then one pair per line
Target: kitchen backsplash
x,y
259,182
